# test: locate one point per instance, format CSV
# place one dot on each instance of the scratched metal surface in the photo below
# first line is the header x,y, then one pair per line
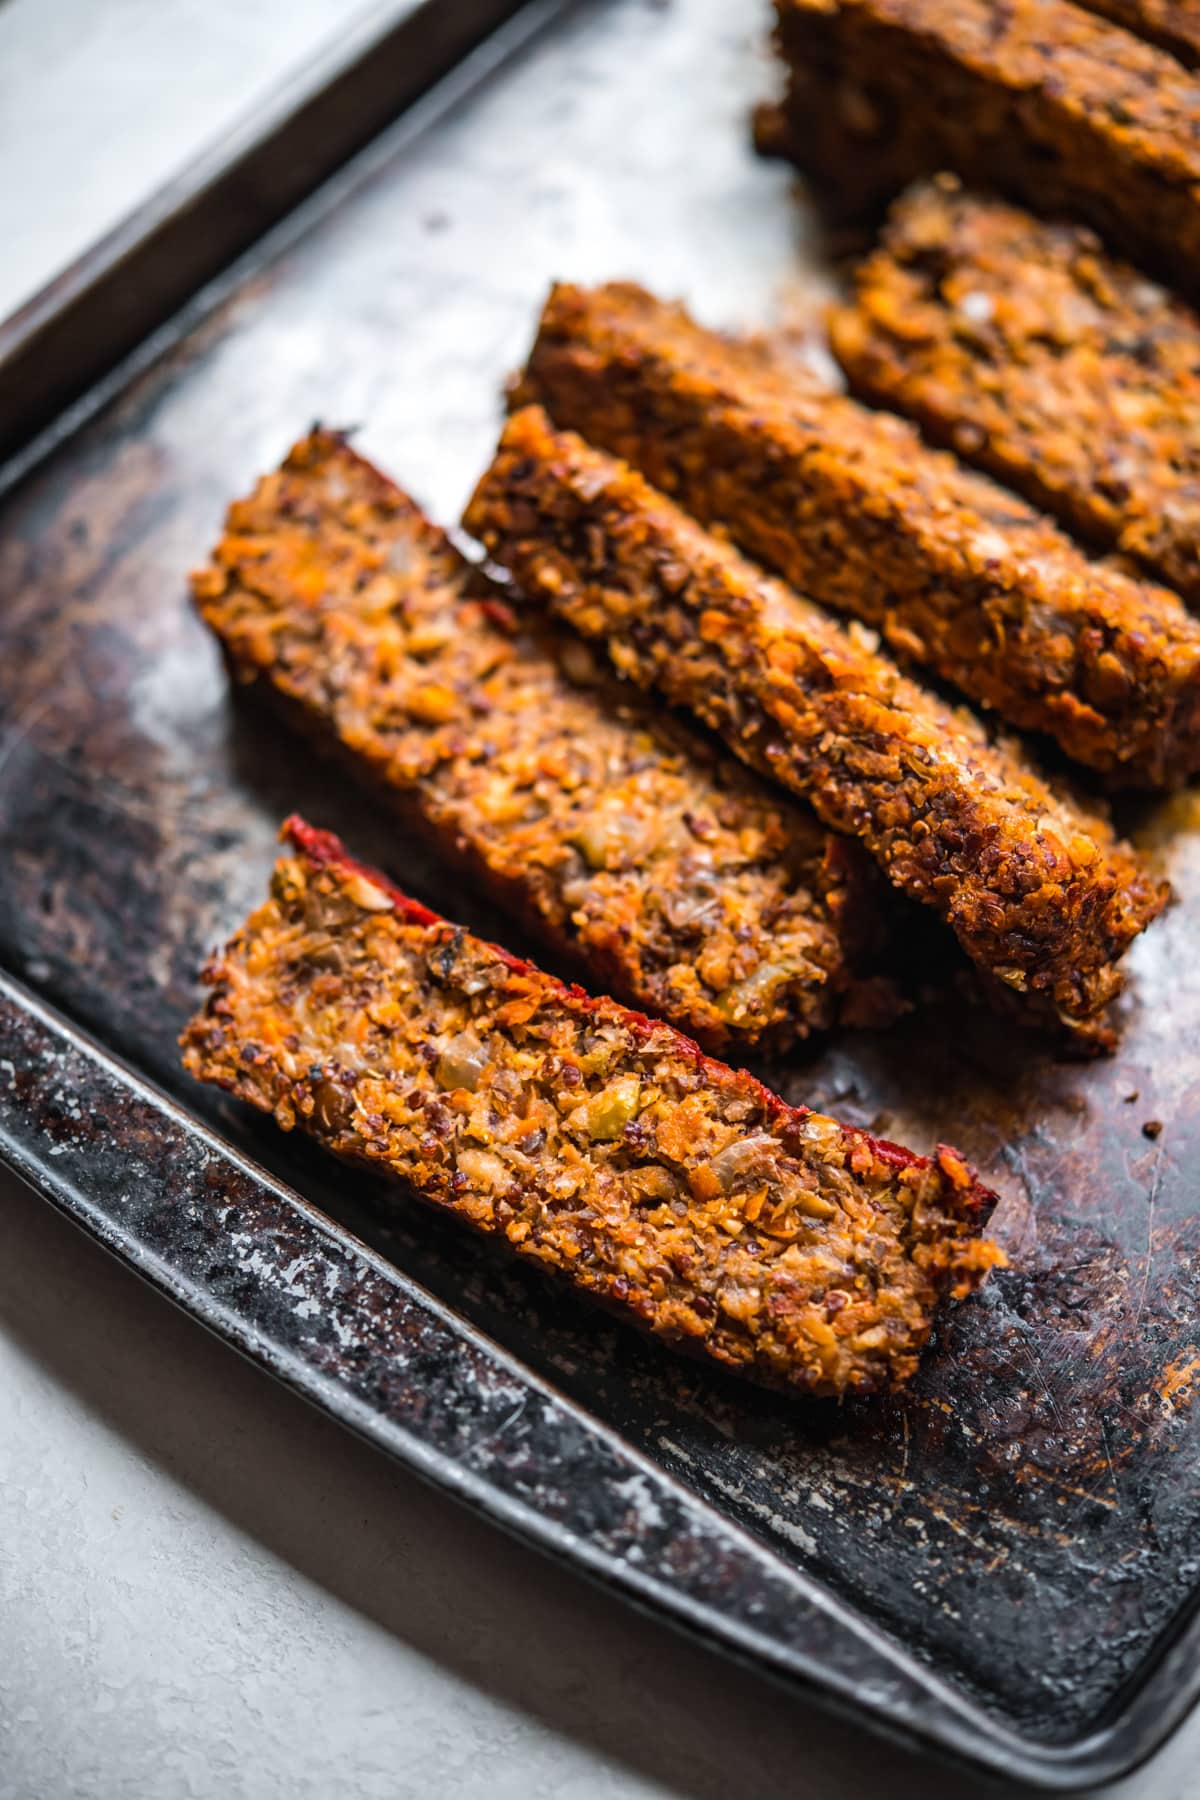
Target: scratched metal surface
x,y
1027,1520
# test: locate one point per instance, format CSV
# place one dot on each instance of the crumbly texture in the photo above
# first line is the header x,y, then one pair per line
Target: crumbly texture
x,y
1037,890
1029,350
1173,25
1041,100
594,1141
850,505
679,881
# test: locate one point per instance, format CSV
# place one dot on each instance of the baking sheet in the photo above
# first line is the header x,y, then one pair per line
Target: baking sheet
x,y
1008,1549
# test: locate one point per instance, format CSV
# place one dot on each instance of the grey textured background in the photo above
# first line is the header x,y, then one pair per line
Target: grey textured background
x,y
205,1589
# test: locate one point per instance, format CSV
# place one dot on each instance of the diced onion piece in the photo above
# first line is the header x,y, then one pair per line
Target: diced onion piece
x,y
462,1062
605,1116
743,1157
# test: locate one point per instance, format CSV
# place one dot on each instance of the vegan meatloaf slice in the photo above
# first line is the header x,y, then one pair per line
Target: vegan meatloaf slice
x,y
632,843
1036,98
1030,351
850,506
1037,890
598,1143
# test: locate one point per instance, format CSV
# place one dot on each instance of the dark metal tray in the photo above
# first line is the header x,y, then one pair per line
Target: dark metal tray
x,y
1004,1563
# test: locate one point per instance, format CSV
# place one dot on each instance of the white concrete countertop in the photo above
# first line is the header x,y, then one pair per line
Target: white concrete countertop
x,y
206,1588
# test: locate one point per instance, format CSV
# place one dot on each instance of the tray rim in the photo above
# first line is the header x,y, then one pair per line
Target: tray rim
x,y
1166,1686
96,318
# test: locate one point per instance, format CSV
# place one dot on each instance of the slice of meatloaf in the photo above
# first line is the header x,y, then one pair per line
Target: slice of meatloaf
x,y
1037,889
598,1144
1028,349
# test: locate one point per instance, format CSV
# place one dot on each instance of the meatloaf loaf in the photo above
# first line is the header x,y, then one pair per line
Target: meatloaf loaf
x,y
597,1143
1035,887
853,508
640,849
1030,351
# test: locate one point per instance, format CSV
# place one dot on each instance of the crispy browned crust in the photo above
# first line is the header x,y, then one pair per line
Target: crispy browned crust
x,y
595,1142
1038,892
1034,97
853,508
673,877
1173,25
1033,353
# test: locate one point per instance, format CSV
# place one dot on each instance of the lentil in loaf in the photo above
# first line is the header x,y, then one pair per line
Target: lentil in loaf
x,y
1027,349
850,506
596,1143
1036,98
1037,890
673,876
